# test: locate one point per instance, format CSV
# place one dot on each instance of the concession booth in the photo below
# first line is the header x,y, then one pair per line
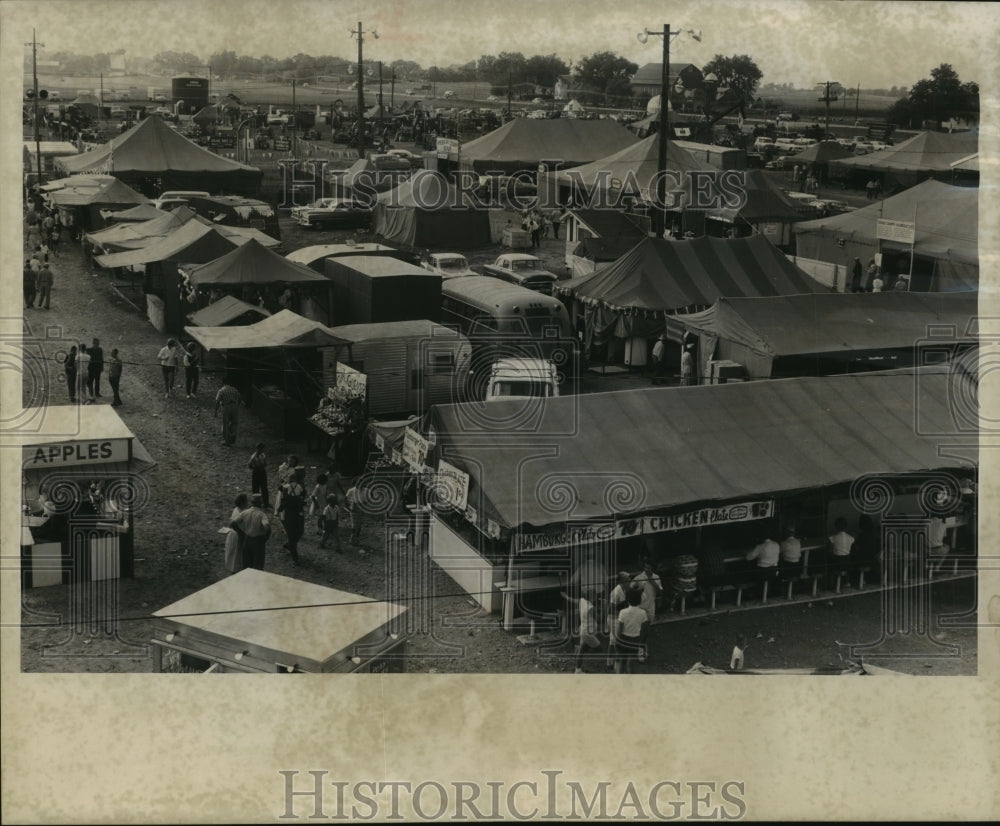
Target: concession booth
x,y
261,623
82,483
705,471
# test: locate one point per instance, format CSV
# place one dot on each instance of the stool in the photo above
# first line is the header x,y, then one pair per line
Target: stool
x,y
862,570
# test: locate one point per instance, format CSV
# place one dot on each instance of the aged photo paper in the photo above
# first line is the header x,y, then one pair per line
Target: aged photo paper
x,y
105,747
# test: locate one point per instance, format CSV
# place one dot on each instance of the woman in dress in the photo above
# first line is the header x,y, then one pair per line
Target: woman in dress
x,y
235,560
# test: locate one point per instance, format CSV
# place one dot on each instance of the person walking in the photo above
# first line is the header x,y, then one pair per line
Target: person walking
x,y
630,633
235,559
169,357
254,526
292,512
687,365
43,283
228,401
83,384
29,283
69,369
96,368
329,520
258,473
192,370
556,221
115,377
856,276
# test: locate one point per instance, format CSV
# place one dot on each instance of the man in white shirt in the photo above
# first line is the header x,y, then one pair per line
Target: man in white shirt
x,y
630,633
649,582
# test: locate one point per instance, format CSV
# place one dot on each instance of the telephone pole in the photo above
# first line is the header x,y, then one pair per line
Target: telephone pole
x,y
380,113
826,99
360,35
295,117
38,137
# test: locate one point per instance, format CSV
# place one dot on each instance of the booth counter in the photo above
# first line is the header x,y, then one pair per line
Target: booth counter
x,y
258,622
81,486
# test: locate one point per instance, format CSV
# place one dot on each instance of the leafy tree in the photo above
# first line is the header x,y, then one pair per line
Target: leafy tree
x,y
940,97
606,72
739,73
222,63
545,69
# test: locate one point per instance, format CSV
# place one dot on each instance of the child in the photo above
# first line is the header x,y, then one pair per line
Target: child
x,y
329,520
318,500
736,662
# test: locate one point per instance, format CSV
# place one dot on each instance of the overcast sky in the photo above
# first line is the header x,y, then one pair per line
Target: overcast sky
x,y
793,41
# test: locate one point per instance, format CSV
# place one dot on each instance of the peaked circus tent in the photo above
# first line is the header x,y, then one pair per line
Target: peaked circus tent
x,y
252,263
142,212
152,150
634,166
428,211
946,231
632,296
823,152
523,143
924,155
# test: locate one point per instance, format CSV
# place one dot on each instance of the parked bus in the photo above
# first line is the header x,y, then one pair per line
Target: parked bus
x,y
507,321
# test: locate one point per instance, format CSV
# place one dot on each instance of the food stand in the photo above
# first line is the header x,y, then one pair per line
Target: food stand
x,y
81,487
262,623
276,364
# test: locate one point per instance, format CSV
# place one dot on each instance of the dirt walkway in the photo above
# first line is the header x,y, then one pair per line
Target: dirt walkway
x,y
178,549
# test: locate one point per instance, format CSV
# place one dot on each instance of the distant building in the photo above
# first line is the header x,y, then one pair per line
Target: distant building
x,y
685,80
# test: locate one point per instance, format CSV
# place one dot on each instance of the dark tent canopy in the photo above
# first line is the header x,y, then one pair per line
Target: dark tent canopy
x,y
428,211
254,264
151,155
523,143
632,296
822,153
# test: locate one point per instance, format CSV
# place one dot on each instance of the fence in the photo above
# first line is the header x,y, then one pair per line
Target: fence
x,y
829,275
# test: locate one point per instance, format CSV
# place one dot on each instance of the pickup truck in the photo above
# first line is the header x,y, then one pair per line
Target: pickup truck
x,y
524,270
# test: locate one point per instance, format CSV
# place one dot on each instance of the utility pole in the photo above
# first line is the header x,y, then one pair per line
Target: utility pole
x,y
38,137
660,214
102,95
392,91
826,98
510,113
381,126
360,34
295,117
857,103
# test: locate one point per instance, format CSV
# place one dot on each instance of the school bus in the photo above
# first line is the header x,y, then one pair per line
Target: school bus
x,y
504,320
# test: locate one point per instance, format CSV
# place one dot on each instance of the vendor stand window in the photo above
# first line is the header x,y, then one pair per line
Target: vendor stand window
x,y
79,497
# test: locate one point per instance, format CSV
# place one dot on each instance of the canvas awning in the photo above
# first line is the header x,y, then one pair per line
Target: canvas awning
x,y
283,329
756,331
86,425
709,443
190,242
226,309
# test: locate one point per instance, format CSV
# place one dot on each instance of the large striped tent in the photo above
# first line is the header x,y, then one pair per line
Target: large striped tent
x,y
656,278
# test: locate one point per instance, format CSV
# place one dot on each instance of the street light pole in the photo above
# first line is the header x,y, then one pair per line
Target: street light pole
x,y
38,136
660,213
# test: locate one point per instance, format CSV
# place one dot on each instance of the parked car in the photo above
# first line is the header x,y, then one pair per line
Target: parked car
x,y
159,97
786,116
447,264
175,197
449,93
524,270
412,158
333,212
